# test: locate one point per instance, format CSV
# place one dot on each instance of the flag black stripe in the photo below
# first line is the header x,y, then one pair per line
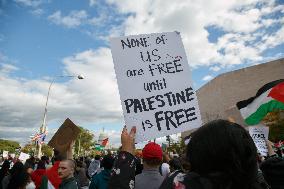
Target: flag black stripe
x,y
263,89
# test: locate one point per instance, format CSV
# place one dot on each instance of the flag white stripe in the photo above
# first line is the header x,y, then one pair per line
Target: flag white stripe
x,y
49,185
252,107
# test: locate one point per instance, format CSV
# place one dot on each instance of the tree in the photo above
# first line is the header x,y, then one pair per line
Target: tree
x,y
84,142
275,121
47,150
9,145
31,149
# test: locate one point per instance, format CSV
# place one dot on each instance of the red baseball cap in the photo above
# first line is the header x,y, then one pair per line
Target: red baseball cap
x,y
152,151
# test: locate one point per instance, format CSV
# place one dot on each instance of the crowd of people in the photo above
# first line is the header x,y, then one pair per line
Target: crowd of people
x,y
219,155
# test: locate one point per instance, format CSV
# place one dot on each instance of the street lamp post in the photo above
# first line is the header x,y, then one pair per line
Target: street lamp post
x,y
43,126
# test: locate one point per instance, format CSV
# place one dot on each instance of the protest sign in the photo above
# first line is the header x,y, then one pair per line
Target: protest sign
x,y
155,86
5,154
23,156
64,136
13,155
259,135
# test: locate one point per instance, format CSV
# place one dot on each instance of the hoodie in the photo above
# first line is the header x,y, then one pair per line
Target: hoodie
x,y
100,181
93,168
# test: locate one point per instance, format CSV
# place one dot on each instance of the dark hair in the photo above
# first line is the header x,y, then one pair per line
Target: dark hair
x,y
79,163
153,162
97,157
19,176
29,164
5,166
224,153
107,162
175,164
45,159
4,169
41,164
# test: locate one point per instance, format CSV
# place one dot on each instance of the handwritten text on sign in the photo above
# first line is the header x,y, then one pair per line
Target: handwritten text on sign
x,y
259,135
155,85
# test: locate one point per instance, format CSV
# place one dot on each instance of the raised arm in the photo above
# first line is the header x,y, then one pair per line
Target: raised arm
x,y
123,173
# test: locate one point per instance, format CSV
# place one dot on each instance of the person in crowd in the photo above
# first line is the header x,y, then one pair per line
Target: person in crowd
x,y
176,168
19,177
66,173
51,176
30,163
165,167
17,167
184,163
94,166
273,168
175,165
82,178
29,169
174,154
45,159
4,171
38,173
123,173
88,161
221,154
100,180
138,162
150,177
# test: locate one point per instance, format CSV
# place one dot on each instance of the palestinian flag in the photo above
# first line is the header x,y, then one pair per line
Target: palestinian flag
x,y
104,142
268,98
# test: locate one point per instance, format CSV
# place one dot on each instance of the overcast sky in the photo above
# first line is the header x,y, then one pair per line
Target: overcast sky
x,y
40,39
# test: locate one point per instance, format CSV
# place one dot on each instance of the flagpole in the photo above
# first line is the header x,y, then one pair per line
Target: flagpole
x,y
43,126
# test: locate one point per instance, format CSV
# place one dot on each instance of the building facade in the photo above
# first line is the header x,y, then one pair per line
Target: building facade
x,y
217,99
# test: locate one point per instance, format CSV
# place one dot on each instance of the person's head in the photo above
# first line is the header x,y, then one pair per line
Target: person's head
x,y
45,159
41,164
107,162
29,163
97,157
175,164
29,166
152,155
5,166
66,169
19,176
79,164
224,152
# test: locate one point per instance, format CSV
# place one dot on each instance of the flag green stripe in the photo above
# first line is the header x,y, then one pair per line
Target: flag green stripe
x,y
257,116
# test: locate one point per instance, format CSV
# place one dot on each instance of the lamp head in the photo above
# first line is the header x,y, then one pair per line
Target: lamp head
x,y
80,76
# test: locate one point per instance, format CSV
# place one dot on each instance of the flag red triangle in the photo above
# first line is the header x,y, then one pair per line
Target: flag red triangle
x,y
277,92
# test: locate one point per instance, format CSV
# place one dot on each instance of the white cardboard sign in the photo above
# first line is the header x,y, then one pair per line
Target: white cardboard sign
x,y
13,155
5,154
155,86
23,156
259,135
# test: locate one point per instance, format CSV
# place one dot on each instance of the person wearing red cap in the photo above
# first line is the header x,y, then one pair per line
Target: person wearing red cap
x,y
150,178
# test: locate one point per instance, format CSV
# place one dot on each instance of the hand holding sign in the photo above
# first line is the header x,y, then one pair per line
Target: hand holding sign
x,y
269,144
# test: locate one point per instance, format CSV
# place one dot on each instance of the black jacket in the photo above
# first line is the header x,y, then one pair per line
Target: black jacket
x,y
273,172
